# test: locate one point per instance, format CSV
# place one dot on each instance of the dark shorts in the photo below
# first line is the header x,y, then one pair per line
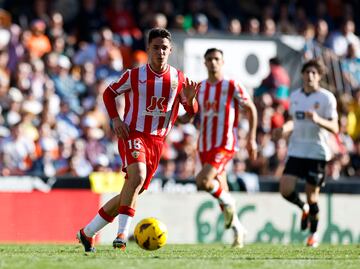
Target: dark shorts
x,y
312,171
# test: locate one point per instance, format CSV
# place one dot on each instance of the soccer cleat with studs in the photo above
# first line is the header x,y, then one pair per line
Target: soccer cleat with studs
x,y
120,242
87,242
313,240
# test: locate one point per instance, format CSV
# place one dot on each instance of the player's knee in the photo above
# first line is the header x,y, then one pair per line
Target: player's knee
x,y
290,196
285,190
285,193
203,183
137,182
314,209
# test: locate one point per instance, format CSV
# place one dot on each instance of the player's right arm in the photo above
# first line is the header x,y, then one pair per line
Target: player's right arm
x,y
186,118
284,130
245,102
120,128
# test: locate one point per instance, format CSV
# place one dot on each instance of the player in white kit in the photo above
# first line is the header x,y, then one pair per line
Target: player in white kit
x,y
314,118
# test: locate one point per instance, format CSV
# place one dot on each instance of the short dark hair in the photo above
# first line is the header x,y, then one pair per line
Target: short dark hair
x,y
275,61
211,50
158,32
317,64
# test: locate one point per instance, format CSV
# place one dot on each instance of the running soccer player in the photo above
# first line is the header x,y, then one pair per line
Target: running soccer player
x,y
220,100
153,93
314,117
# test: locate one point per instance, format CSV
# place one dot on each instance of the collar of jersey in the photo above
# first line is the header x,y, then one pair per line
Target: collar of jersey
x,y
215,83
158,74
307,93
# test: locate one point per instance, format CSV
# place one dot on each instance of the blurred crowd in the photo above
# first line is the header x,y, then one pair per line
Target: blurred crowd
x,y
57,57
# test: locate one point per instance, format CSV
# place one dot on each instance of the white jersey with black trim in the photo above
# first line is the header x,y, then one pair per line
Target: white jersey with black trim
x,y
309,140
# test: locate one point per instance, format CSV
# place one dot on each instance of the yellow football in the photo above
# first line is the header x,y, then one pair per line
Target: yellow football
x,y
150,234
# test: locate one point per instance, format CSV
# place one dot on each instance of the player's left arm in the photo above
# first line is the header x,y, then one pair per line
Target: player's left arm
x,y
330,121
248,105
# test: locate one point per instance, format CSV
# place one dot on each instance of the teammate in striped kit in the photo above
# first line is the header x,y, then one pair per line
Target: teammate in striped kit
x,y
314,117
220,101
153,93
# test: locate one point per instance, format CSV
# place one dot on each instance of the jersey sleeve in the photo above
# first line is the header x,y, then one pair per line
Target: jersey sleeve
x,y
292,98
331,112
241,94
113,90
122,85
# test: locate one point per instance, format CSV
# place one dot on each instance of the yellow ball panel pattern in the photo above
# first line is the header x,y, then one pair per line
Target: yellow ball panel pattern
x,y
150,234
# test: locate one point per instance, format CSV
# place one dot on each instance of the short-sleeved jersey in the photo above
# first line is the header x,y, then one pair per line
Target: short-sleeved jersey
x,y
151,99
309,140
219,106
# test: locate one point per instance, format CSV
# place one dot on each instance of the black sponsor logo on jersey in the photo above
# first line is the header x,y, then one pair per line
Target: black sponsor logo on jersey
x,y
300,115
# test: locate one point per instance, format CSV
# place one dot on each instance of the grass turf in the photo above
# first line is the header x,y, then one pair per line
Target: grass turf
x,y
207,256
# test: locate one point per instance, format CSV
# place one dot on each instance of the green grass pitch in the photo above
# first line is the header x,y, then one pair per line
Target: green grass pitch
x,y
206,256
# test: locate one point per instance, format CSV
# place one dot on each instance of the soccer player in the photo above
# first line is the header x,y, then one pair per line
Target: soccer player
x,y
153,93
314,116
220,100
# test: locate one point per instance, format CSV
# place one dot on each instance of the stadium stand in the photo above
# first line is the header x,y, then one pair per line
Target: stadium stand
x,y
55,62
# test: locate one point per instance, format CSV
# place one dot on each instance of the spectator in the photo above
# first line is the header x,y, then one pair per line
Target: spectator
x,y
234,27
56,26
351,68
167,169
30,73
201,24
284,24
242,180
216,17
122,21
252,26
19,152
277,83
38,43
159,21
321,32
89,20
278,159
340,40
268,28
66,86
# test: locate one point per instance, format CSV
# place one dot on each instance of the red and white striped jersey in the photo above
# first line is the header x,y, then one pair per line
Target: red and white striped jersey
x,y
219,106
151,99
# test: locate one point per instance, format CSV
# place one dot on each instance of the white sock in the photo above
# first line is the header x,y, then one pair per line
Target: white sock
x,y
95,225
237,225
124,224
224,197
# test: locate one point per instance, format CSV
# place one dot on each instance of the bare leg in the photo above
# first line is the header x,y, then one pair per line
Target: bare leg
x,y
287,185
223,181
205,178
133,185
287,190
111,206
